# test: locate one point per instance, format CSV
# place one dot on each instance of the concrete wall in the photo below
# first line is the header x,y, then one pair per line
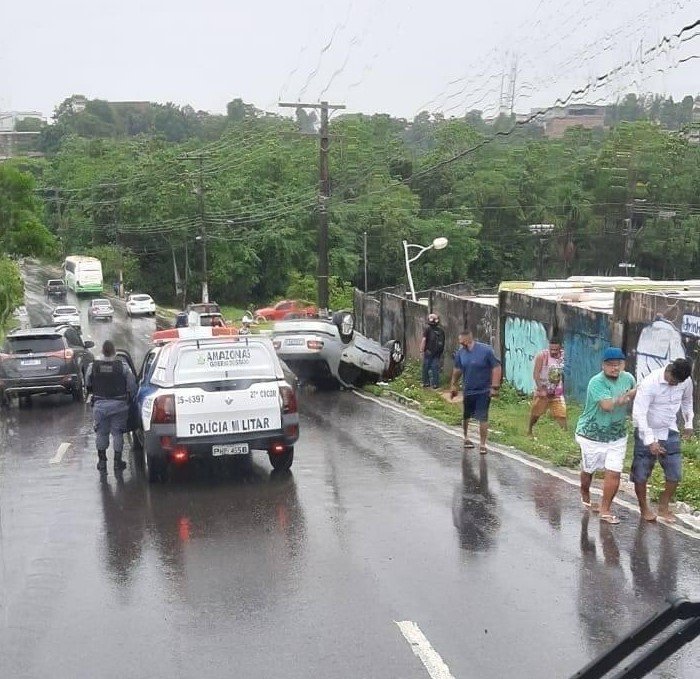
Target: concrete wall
x,y
358,307
373,318
384,316
458,313
527,323
651,328
392,325
657,329
414,324
586,334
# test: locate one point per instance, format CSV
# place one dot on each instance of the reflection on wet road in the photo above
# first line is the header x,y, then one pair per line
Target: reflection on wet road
x,y
240,572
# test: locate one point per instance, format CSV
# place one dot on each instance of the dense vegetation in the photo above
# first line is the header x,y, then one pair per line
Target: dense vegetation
x,y
140,185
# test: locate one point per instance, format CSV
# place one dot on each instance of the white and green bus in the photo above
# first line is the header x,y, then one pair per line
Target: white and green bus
x,y
83,274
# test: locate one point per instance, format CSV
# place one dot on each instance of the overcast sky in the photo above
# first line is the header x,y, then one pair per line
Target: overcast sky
x,y
374,55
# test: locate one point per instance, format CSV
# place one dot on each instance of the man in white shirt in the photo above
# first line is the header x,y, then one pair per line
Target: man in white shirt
x,y
660,395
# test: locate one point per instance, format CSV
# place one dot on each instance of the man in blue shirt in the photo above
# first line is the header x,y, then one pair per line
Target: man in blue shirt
x,y
481,371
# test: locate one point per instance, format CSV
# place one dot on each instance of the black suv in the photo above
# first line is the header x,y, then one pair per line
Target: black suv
x,y
49,360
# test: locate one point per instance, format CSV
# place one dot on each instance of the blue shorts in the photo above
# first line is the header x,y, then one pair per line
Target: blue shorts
x,y
476,406
643,461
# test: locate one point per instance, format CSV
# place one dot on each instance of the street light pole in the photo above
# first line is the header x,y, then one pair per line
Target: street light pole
x,y
437,244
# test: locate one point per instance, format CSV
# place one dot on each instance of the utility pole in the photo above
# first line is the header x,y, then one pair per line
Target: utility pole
x,y
324,195
365,250
199,191
115,221
203,231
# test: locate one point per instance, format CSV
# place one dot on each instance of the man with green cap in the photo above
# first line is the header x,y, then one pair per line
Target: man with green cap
x,y
602,430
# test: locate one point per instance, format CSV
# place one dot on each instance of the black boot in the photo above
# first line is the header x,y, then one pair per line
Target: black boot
x,y
102,460
119,464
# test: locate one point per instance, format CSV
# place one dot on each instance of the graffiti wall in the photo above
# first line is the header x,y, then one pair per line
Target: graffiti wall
x,y
523,340
586,334
659,343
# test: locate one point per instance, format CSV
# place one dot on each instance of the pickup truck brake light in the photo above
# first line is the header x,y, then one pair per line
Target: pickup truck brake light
x,y
289,400
164,410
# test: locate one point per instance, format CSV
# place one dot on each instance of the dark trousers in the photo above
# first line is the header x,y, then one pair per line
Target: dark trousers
x,y
431,369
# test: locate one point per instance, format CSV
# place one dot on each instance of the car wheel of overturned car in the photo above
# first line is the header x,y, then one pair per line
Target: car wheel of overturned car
x,y
345,323
260,319
397,358
282,461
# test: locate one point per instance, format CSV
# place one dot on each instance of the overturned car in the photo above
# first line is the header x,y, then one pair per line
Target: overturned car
x,y
330,352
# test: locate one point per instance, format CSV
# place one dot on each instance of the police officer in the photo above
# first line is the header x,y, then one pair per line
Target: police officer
x,y
112,386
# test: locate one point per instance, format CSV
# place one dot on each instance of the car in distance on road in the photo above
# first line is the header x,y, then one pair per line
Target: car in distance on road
x,y
329,353
66,314
285,309
208,396
100,310
140,305
55,288
44,360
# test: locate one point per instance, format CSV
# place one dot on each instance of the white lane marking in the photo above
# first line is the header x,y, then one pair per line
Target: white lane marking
x,y
518,458
62,450
421,647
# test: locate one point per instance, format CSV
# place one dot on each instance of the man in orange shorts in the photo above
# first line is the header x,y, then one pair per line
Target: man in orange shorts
x,y
548,373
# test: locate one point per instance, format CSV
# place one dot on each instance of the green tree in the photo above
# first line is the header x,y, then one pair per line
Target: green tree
x,y
21,229
11,289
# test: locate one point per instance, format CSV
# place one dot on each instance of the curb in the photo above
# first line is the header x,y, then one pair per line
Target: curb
x,y
687,516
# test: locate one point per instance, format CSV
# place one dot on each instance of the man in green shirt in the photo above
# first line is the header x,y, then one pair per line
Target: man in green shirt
x,y
602,429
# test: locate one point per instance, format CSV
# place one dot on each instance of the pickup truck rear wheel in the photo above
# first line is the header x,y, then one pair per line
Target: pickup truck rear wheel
x,y
155,467
282,461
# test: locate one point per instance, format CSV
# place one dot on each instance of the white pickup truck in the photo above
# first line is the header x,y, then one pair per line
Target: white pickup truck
x,y
213,398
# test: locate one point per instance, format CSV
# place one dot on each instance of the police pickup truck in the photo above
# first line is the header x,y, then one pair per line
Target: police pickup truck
x,y
206,395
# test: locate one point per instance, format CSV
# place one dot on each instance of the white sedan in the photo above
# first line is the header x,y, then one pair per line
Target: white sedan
x,y
66,314
137,305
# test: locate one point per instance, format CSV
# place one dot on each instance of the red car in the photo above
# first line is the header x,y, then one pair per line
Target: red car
x,y
286,309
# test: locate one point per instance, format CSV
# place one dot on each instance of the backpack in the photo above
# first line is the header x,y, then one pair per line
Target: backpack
x,y
436,341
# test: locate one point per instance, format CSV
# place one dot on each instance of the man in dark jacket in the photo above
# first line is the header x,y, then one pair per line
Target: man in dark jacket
x,y
432,347
113,386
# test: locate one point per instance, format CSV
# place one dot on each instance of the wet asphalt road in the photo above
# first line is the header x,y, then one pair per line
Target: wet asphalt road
x,y
246,574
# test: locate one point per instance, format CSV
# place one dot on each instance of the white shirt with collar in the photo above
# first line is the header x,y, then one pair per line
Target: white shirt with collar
x,y
656,406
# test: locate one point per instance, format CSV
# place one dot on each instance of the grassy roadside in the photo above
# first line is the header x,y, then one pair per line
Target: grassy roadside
x,y
508,422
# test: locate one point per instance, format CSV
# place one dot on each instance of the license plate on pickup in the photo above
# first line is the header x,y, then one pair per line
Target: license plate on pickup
x,y
235,449
30,361
294,342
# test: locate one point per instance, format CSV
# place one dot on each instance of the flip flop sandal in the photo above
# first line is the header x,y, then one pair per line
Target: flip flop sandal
x,y
610,518
483,450
593,506
469,444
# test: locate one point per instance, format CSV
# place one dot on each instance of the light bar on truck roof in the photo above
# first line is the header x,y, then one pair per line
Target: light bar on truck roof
x,y
192,332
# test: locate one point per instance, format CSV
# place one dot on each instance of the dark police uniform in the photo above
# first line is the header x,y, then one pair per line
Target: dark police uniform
x,y
112,386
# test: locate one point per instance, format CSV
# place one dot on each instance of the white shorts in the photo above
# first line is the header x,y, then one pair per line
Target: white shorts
x,y
596,455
